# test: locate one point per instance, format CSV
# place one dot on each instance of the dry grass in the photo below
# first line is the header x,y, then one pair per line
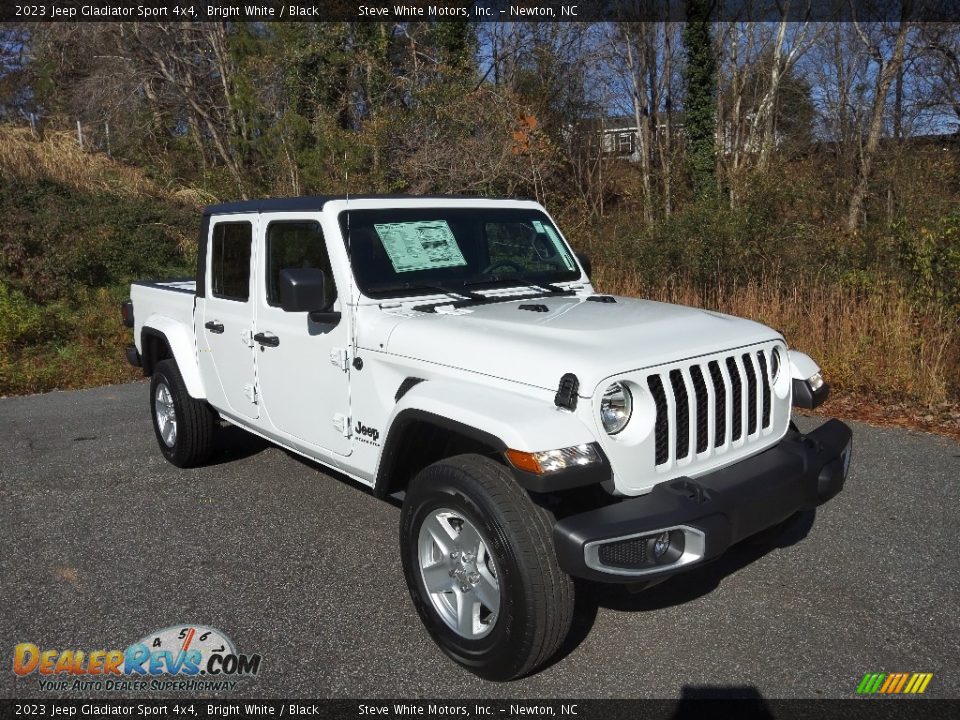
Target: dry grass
x,y
88,355
58,158
877,344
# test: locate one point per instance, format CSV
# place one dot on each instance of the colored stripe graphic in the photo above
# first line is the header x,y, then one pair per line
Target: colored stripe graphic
x,y
894,683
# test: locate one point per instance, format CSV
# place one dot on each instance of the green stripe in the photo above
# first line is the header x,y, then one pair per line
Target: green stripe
x,y
876,685
863,683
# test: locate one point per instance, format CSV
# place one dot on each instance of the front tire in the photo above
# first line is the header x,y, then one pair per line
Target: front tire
x,y
185,427
481,569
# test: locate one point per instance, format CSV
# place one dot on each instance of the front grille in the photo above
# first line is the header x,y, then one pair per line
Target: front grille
x,y
627,554
660,426
730,394
683,413
720,393
737,385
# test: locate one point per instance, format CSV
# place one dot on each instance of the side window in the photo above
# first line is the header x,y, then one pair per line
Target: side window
x,y
294,244
230,260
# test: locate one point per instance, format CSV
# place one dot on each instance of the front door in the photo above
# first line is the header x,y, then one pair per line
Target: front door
x,y
301,368
224,337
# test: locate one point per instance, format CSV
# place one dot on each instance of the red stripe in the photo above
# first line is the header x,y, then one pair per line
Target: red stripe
x,y
186,643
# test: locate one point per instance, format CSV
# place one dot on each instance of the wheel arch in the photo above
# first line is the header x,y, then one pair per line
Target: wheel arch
x,y
412,431
435,419
165,339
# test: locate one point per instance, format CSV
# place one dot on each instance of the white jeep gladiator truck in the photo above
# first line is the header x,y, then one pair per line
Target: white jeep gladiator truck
x,y
452,352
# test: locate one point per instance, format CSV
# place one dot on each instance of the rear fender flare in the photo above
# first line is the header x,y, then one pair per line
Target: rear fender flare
x,y
182,347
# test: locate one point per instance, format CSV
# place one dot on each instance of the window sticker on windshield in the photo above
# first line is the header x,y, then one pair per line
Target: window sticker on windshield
x,y
558,243
538,226
420,245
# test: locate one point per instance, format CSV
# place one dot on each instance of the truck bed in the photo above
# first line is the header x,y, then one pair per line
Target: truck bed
x,y
173,299
183,285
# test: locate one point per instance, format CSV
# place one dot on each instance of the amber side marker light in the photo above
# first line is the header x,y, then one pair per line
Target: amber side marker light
x,y
549,461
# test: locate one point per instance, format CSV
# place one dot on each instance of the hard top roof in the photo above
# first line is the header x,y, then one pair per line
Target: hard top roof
x,y
316,202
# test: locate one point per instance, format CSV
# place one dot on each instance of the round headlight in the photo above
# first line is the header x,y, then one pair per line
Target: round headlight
x,y
775,364
615,408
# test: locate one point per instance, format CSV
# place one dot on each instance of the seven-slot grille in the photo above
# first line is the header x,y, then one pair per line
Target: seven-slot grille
x,y
709,405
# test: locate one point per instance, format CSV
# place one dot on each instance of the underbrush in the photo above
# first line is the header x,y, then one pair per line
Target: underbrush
x,y
879,342
69,344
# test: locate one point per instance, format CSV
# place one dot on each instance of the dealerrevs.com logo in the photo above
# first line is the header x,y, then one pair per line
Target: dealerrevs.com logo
x,y
182,657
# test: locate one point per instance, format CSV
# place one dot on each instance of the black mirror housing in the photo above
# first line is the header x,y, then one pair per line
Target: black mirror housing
x,y
305,290
585,262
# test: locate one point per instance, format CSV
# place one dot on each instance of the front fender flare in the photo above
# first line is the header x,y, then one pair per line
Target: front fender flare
x,y
802,368
496,418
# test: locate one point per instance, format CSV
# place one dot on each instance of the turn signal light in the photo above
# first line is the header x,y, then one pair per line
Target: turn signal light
x,y
549,461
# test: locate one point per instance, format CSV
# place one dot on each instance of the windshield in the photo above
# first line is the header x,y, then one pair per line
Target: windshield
x,y
421,250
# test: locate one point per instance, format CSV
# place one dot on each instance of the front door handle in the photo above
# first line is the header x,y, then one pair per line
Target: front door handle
x,y
265,339
214,326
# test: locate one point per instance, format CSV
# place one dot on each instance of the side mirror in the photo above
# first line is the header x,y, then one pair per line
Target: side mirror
x,y
307,290
585,262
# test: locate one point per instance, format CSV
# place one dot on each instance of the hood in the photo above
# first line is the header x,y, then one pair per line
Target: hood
x,y
593,340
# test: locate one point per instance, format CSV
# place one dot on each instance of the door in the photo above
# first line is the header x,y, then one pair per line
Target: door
x,y
302,367
224,337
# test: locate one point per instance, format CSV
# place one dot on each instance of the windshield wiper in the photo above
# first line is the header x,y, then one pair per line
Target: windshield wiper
x,y
514,279
445,289
535,290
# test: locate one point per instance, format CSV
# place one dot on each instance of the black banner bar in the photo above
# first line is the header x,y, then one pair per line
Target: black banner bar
x,y
696,706
473,10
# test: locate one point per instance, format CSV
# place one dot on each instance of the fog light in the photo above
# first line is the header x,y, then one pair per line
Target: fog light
x,y
816,381
665,547
660,545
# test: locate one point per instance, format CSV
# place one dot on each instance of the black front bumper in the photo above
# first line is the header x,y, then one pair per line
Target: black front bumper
x,y
713,511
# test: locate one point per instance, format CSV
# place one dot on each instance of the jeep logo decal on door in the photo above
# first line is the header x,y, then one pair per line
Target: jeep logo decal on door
x,y
364,432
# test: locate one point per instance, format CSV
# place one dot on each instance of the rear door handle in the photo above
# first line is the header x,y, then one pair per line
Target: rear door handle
x,y
214,326
270,340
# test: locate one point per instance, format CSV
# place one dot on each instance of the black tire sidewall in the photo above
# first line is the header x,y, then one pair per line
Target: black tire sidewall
x,y
163,373
493,656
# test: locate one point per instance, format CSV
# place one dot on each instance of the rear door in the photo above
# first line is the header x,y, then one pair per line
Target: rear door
x,y
302,371
224,337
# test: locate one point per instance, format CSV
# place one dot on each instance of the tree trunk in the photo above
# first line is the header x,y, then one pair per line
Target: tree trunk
x,y
887,72
666,141
636,56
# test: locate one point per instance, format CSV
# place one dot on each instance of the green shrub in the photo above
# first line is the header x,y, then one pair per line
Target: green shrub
x,y
930,259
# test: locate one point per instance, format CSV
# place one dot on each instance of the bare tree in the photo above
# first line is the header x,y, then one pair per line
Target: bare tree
x,y
940,67
640,56
888,61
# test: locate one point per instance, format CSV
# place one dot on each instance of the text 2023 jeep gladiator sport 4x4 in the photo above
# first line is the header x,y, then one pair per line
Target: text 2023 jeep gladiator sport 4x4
x,y
453,350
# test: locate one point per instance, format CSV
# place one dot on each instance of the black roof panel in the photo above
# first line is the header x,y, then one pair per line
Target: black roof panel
x,y
316,202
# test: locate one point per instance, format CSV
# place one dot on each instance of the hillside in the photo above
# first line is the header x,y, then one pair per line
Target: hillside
x,y
81,226
78,227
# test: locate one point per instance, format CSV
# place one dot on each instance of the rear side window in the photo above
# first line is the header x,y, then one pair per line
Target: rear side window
x,y
294,244
230,260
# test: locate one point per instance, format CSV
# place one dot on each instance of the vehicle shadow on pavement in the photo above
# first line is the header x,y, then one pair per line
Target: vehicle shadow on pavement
x,y
678,590
234,443
695,701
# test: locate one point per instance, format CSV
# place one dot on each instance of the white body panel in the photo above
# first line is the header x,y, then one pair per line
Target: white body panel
x,y
168,309
300,387
802,367
493,367
226,358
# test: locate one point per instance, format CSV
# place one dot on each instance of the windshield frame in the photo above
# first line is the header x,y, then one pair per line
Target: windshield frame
x,y
464,287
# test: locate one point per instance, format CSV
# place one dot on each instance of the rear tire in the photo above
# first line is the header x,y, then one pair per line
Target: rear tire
x,y
185,427
469,530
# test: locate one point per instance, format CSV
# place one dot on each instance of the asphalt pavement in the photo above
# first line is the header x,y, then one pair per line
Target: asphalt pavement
x,y
102,541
